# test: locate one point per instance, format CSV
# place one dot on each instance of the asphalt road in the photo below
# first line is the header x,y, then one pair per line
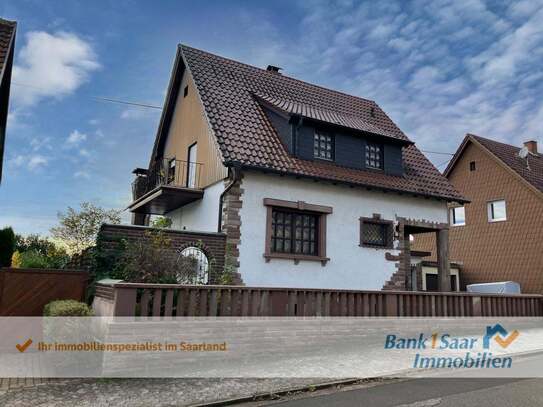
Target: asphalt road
x,y
434,392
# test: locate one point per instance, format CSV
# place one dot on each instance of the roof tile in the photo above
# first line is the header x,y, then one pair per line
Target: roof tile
x,y
245,135
508,154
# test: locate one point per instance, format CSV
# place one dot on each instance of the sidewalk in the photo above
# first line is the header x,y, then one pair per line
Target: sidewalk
x,y
141,392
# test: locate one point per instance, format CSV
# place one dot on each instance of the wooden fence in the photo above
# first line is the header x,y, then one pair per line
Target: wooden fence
x,y
24,292
131,299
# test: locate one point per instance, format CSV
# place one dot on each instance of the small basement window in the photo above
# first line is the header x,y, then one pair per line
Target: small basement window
x,y
457,216
376,233
295,230
374,156
496,211
323,145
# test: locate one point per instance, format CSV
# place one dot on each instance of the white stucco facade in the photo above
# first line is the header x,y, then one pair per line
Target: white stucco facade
x,y
350,266
201,215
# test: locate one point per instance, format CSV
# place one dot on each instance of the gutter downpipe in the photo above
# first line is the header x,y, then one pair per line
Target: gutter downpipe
x,y
236,176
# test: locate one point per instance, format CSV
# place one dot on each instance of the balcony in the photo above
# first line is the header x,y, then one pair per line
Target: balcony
x,y
166,186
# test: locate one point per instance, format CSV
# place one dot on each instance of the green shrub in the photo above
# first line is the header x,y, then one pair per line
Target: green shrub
x,y
7,246
36,260
67,308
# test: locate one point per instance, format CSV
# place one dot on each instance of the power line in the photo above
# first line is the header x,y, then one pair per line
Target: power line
x,y
436,152
443,163
99,98
125,102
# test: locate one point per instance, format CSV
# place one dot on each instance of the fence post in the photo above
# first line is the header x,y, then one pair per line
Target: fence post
x,y
476,306
125,302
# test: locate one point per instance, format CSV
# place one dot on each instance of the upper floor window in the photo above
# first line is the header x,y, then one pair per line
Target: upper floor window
x,y
457,216
496,211
323,145
374,155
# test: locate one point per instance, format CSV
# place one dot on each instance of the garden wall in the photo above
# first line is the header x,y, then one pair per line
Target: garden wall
x,y
212,244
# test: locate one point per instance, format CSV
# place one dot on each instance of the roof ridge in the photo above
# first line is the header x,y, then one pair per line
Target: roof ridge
x,y
492,140
285,76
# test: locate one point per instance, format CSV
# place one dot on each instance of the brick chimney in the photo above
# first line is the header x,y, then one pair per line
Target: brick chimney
x,y
531,146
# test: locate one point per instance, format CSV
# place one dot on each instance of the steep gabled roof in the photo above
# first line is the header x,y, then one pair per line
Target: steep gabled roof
x,y
508,156
231,93
7,44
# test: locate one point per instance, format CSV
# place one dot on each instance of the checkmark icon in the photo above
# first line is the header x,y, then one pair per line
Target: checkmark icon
x,y
504,343
24,346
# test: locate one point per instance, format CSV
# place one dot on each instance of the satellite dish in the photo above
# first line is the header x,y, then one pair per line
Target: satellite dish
x,y
523,153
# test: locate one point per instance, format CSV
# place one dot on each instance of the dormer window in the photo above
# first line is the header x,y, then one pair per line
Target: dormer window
x,y
374,156
323,145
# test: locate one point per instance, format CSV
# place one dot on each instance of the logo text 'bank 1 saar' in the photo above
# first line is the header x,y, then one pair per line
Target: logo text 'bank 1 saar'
x,y
446,342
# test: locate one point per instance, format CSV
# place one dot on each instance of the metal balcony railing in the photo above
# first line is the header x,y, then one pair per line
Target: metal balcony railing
x,y
171,172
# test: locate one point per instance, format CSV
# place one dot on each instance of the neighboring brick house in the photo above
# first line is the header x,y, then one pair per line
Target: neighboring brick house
x,y
314,188
7,50
498,236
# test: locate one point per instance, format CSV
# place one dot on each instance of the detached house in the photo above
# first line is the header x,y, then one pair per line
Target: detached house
x,y
7,50
498,236
313,188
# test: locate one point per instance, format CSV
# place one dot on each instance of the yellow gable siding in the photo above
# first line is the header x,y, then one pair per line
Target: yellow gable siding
x,y
189,126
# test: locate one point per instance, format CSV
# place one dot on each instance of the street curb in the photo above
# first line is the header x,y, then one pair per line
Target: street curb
x,y
313,387
268,395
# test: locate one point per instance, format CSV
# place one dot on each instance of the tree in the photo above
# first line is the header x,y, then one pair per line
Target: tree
x,y
35,243
34,251
77,230
7,246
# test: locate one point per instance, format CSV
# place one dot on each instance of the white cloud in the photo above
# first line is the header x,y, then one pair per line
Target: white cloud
x,y
43,143
82,174
135,113
51,65
32,161
75,138
36,161
84,153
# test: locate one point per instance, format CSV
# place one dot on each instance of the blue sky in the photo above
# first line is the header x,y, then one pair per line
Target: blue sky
x,y
440,69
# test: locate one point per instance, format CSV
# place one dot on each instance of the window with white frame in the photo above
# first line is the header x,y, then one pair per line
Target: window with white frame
x,y
457,216
496,211
323,145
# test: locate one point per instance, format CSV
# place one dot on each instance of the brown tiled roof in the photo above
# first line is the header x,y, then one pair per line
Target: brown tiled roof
x,y
244,134
329,116
508,154
7,30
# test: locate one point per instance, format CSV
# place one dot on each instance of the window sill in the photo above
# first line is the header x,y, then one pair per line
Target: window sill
x,y
326,160
371,246
454,225
295,257
497,220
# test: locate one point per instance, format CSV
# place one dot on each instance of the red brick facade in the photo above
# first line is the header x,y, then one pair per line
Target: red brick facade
x,y
213,244
494,251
